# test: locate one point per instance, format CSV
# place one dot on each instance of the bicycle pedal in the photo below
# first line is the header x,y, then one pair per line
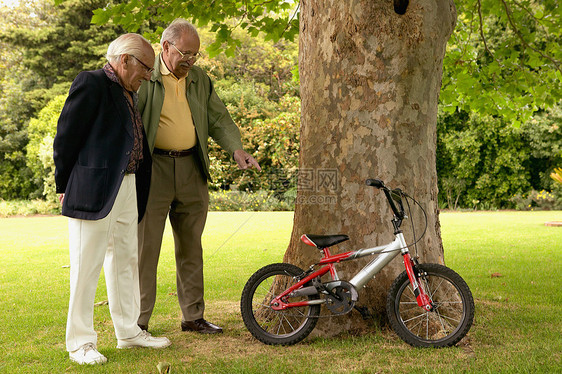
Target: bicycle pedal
x,y
364,311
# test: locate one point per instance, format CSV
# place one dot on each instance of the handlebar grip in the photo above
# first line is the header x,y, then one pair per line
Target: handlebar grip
x,y
375,183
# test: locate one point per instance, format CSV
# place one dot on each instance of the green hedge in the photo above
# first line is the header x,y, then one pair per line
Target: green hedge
x,y
249,201
218,201
485,163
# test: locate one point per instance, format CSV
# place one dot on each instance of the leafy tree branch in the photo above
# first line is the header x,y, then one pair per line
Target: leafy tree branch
x,y
518,33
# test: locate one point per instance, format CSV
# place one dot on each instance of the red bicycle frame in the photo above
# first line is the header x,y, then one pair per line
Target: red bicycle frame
x,y
422,298
280,302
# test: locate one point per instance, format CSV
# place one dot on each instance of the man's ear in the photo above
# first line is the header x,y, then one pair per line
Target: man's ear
x,y
124,59
165,46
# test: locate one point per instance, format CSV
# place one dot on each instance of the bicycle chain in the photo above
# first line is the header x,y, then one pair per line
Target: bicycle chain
x,y
332,314
322,290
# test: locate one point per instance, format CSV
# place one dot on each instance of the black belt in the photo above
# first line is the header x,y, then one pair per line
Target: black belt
x,y
175,153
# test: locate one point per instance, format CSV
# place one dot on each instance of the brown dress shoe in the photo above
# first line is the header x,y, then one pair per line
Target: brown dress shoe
x,y
201,326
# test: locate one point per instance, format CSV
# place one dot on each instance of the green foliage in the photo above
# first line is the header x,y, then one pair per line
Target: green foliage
x,y
28,207
275,18
267,62
502,67
484,162
536,200
258,65
481,161
43,48
274,142
253,85
557,175
259,90
226,201
15,177
504,58
543,134
246,99
237,201
15,108
42,131
66,43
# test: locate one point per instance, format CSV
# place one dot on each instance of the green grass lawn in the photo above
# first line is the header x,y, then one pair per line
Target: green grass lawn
x,y
511,261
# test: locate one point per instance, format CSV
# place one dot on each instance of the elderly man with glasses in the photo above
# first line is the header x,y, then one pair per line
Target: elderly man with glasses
x,y
103,168
180,111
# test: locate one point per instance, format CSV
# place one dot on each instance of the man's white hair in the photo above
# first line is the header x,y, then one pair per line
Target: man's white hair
x,y
175,30
131,44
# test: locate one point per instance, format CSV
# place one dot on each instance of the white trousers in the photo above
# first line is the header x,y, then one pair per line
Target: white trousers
x,y
110,242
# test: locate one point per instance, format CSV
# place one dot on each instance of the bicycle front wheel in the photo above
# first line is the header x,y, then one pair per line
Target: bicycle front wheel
x,y
270,326
451,317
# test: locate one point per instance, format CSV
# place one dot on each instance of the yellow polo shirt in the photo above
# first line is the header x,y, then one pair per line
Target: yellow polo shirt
x,y
175,130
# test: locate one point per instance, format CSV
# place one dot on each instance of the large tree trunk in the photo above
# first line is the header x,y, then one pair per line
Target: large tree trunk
x,y
370,81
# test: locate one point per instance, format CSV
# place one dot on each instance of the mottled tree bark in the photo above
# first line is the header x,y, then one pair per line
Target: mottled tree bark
x,y
370,81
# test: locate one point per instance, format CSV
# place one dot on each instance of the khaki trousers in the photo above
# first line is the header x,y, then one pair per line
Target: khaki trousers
x,y
111,242
179,190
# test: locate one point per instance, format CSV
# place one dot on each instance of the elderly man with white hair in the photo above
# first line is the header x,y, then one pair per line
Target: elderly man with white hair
x,y
103,168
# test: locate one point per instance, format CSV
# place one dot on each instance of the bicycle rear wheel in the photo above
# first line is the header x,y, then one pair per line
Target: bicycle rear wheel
x,y
451,317
273,327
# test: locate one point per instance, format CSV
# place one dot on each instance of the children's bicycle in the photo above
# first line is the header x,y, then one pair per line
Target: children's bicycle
x,y
428,305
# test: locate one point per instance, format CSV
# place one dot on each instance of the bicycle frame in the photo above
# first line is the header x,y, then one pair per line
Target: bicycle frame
x,y
386,253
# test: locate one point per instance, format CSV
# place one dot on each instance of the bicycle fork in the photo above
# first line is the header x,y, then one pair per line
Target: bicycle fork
x,y
423,300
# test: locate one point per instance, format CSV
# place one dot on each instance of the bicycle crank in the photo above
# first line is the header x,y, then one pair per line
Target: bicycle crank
x,y
340,296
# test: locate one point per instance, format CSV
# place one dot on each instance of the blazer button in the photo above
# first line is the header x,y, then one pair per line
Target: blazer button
x,y
128,153
122,171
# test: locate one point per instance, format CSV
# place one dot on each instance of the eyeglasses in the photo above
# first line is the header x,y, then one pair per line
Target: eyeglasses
x,y
188,56
149,70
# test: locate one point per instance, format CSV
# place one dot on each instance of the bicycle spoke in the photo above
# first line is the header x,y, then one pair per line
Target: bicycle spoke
x,y
439,303
286,326
431,291
266,285
427,325
457,321
419,323
446,323
412,308
279,324
289,323
411,291
415,317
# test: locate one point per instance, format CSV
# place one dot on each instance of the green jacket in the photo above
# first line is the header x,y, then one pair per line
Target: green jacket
x,y
210,116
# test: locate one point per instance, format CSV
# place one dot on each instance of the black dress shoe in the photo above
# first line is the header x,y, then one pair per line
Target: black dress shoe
x,y
201,326
144,327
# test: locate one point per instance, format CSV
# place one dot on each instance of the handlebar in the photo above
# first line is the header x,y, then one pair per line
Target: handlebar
x,y
375,183
391,195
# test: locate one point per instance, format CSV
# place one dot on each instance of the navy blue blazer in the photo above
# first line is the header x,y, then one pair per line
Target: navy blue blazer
x,y
92,148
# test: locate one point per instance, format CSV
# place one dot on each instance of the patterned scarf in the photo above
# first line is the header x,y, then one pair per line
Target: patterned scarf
x,y
136,152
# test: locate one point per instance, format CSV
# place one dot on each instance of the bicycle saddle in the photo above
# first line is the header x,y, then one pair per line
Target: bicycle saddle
x,y
323,241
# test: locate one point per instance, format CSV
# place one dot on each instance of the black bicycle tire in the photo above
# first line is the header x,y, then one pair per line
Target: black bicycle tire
x,y
247,311
399,326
